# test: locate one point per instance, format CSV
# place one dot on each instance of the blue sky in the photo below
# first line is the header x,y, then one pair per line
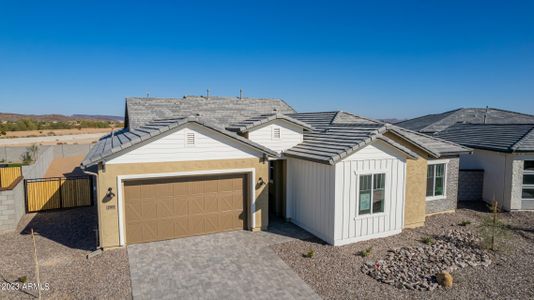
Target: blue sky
x,y
378,58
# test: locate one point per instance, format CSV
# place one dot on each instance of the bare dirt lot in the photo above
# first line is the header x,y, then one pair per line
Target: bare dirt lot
x,y
63,239
54,132
335,272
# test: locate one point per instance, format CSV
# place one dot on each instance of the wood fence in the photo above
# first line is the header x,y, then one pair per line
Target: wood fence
x,y
58,192
9,176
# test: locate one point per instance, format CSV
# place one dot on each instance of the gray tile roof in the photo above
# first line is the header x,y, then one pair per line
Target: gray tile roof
x,y
496,137
338,134
220,111
434,146
116,143
248,124
437,122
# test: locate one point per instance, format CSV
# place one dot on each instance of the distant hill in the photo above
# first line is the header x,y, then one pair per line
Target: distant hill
x,y
12,117
99,117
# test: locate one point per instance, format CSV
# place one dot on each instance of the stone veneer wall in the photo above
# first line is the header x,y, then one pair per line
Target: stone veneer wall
x,y
450,202
470,185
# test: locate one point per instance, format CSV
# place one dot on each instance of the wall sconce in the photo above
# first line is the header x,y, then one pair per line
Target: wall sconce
x,y
109,195
260,182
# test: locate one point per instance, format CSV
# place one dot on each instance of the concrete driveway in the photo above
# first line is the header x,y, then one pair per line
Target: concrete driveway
x,y
230,265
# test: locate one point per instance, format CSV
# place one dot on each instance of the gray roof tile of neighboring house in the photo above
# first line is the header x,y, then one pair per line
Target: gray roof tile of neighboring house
x,y
437,122
248,124
496,137
113,144
221,111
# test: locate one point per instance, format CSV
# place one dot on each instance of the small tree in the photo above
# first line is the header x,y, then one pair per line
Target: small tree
x,y
26,158
492,228
30,155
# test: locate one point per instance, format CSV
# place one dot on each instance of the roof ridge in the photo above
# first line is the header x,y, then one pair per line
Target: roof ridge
x,y
361,117
423,116
505,110
494,124
450,115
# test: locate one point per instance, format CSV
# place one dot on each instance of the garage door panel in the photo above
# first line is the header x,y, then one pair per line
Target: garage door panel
x,y
159,209
134,210
135,233
180,188
197,187
181,226
164,208
211,202
196,224
165,229
226,201
149,209
150,230
196,204
212,223
226,184
181,205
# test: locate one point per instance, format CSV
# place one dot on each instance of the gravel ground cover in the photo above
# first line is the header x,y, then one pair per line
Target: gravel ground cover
x,y
63,240
336,272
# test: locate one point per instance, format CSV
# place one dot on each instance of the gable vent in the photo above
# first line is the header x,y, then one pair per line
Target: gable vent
x,y
276,133
190,139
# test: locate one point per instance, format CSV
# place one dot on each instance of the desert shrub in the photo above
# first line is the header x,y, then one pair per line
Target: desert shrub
x,y
464,223
309,254
427,240
366,252
492,229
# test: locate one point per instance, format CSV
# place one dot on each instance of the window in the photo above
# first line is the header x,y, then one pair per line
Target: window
x,y
276,133
190,139
528,180
435,180
372,194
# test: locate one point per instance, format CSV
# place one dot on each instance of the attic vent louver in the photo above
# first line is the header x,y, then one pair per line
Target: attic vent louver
x,y
276,133
190,139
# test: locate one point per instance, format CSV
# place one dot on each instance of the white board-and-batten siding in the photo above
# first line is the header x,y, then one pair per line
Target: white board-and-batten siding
x,y
372,159
323,199
208,145
310,197
290,135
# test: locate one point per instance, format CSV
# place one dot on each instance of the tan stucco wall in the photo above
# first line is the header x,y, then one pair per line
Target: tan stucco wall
x,y
107,177
415,200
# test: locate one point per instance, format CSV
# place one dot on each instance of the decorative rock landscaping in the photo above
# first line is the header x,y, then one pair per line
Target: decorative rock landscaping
x,y
416,268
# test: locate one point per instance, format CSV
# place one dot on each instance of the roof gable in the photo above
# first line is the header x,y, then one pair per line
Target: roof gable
x,y
122,141
261,120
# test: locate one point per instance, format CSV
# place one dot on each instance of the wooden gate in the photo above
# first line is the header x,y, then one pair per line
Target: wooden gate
x,y
9,177
58,192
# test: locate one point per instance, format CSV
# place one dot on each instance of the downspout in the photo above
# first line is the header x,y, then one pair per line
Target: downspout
x,y
95,199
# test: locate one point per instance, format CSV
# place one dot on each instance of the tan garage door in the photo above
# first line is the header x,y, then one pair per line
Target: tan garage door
x,y
160,209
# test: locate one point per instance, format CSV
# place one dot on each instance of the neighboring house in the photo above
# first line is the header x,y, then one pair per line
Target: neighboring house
x,y
503,143
200,165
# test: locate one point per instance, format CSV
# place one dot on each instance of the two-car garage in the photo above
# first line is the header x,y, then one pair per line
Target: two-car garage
x,y
172,207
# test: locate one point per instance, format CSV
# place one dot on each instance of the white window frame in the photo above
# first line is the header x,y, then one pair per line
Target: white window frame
x,y
445,173
523,185
372,184
273,135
